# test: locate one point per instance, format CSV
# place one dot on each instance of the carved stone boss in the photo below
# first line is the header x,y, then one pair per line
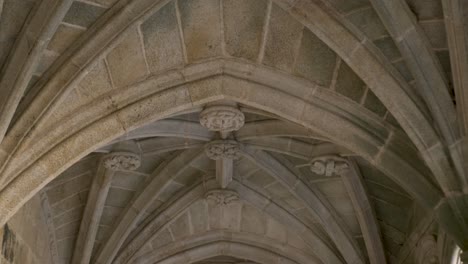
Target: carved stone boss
x,y
329,166
223,119
223,149
222,197
116,161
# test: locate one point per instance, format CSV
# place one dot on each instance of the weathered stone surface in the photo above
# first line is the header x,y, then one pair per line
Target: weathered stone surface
x,y
283,40
161,38
244,23
149,63
63,38
126,61
315,61
369,23
82,14
349,84
201,24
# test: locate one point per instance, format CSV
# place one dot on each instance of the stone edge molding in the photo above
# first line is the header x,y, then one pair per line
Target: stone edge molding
x,y
116,161
222,197
329,166
223,149
426,252
222,118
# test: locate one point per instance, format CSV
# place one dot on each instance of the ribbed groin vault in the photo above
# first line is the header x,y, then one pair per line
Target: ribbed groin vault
x,y
233,131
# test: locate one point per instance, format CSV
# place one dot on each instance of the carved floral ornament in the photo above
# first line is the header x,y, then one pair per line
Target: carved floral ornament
x,y
122,161
223,149
222,118
222,197
329,166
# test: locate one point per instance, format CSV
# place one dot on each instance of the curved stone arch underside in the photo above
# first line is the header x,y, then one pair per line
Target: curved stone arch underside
x,y
221,244
81,134
193,94
117,109
268,219
251,219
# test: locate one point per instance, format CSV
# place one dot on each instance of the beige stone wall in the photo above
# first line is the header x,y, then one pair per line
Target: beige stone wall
x,y
24,239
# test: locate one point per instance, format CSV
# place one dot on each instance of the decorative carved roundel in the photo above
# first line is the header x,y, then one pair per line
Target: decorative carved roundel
x,y
222,197
222,118
223,149
328,167
122,161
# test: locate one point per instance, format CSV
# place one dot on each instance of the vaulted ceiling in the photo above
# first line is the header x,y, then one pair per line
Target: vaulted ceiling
x,y
236,131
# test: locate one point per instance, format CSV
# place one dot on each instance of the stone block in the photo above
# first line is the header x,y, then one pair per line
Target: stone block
x,y
369,23
252,221
316,61
64,37
261,179
180,227
73,214
119,197
243,27
276,231
198,215
64,190
126,61
82,14
374,104
70,202
201,24
70,229
132,181
110,214
163,238
94,84
283,40
162,41
349,84
388,48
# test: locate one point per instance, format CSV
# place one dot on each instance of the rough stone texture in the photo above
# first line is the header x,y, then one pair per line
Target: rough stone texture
x,y
161,38
144,74
283,40
82,14
315,60
244,22
201,24
349,84
126,61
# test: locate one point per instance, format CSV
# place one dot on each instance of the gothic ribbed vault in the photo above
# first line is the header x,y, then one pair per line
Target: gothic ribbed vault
x,y
233,131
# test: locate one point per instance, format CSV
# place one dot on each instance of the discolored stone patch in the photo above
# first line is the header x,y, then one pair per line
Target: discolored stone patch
x,y
243,27
201,24
82,14
349,84
161,39
316,61
374,104
283,39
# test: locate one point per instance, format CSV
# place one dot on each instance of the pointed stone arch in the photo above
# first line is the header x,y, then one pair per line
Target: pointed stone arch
x,y
98,125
